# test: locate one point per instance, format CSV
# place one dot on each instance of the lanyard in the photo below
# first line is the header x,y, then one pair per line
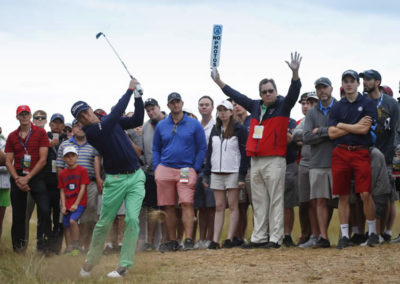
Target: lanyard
x,y
23,144
380,101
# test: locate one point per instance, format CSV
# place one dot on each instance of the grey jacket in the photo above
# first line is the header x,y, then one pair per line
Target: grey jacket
x,y
305,149
321,145
380,183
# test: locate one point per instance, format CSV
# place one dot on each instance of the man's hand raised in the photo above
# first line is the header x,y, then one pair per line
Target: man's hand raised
x,y
294,64
216,78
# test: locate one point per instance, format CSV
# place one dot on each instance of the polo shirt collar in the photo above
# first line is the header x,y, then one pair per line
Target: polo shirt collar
x,y
72,140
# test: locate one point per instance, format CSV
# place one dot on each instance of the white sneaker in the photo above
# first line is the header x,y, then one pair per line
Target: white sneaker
x,y
312,241
206,243
84,274
381,240
395,240
118,273
199,244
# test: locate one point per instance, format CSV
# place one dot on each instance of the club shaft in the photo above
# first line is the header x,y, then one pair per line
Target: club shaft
x,y
116,53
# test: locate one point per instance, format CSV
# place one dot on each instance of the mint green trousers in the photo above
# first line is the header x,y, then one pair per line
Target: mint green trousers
x,y
117,188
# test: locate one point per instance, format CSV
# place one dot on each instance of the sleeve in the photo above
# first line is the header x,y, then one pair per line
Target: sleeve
x,y
207,168
44,139
308,136
292,96
135,138
115,115
298,131
242,135
239,98
201,145
371,111
84,176
9,148
60,162
157,143
137,118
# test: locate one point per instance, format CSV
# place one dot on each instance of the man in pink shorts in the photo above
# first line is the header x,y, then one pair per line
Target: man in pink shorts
x,y
179,147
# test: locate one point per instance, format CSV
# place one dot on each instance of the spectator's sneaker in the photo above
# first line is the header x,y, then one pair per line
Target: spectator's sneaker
x,y
322,243
272,245
169,246
117,249
118,273
302,240
344,242
108,250
206,243
227,244
310,243
213,245
202,244
358,239
237,242
251,245
396,240
188,244
386,237
287,241
74,252
147,247
373,240
67,250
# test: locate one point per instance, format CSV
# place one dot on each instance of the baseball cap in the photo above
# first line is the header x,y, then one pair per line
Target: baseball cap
x,y
227,104
174,96
351,73
387,90
303,97
151,102
69,149
78,107
371,74
100,112
312,95
323,81
57,116
23,108
68,125
75,121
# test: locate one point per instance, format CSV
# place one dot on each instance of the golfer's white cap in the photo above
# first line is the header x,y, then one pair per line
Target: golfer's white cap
x,y
69,149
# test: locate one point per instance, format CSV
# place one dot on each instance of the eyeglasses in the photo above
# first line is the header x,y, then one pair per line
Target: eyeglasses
x,y
67,130
267,91
39,117
175,128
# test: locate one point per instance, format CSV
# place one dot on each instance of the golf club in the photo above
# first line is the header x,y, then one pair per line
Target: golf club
x,y
138,87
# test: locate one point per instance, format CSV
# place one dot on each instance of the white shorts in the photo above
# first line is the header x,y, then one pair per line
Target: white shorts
x,y
224,181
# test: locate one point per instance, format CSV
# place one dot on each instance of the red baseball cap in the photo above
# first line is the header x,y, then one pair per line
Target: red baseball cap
x,y
23,108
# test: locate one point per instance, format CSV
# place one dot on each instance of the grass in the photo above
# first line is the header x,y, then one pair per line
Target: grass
x,y
355,265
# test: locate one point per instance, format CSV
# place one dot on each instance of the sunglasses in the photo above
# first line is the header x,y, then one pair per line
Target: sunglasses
x,y
39,117
67,130
267,91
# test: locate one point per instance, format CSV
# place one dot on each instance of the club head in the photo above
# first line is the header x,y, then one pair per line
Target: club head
x,y
99,35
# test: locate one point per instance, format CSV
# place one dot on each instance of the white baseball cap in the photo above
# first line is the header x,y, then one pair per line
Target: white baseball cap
x,y
227,104
69,149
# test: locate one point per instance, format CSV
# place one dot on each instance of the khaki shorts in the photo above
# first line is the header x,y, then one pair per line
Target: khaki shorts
x,y
224,181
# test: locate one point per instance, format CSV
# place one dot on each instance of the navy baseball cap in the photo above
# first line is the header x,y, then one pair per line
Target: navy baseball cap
x,y
174,96
150,102
323,81
57,116
352,74
371,74
78,107
74,122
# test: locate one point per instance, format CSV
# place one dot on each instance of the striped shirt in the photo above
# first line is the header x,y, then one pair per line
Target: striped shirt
x,y
86,154
37,139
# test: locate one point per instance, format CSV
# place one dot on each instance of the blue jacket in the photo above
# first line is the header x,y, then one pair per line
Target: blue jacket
x,y
179,145
110,139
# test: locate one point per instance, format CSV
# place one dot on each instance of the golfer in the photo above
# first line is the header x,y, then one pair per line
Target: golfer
x,y
124,178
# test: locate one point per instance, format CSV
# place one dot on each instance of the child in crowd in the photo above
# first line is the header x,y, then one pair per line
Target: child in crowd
x,y
72,182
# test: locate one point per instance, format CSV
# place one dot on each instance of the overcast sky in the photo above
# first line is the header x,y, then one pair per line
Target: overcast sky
x,y
50,58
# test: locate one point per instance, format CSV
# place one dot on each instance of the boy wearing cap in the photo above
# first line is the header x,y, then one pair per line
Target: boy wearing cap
x,y
349,126
124,178
26,152
385,131
72,182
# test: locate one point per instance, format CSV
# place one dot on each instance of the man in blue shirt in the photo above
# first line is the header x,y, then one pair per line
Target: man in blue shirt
x,y
349,126
179,147
124,178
